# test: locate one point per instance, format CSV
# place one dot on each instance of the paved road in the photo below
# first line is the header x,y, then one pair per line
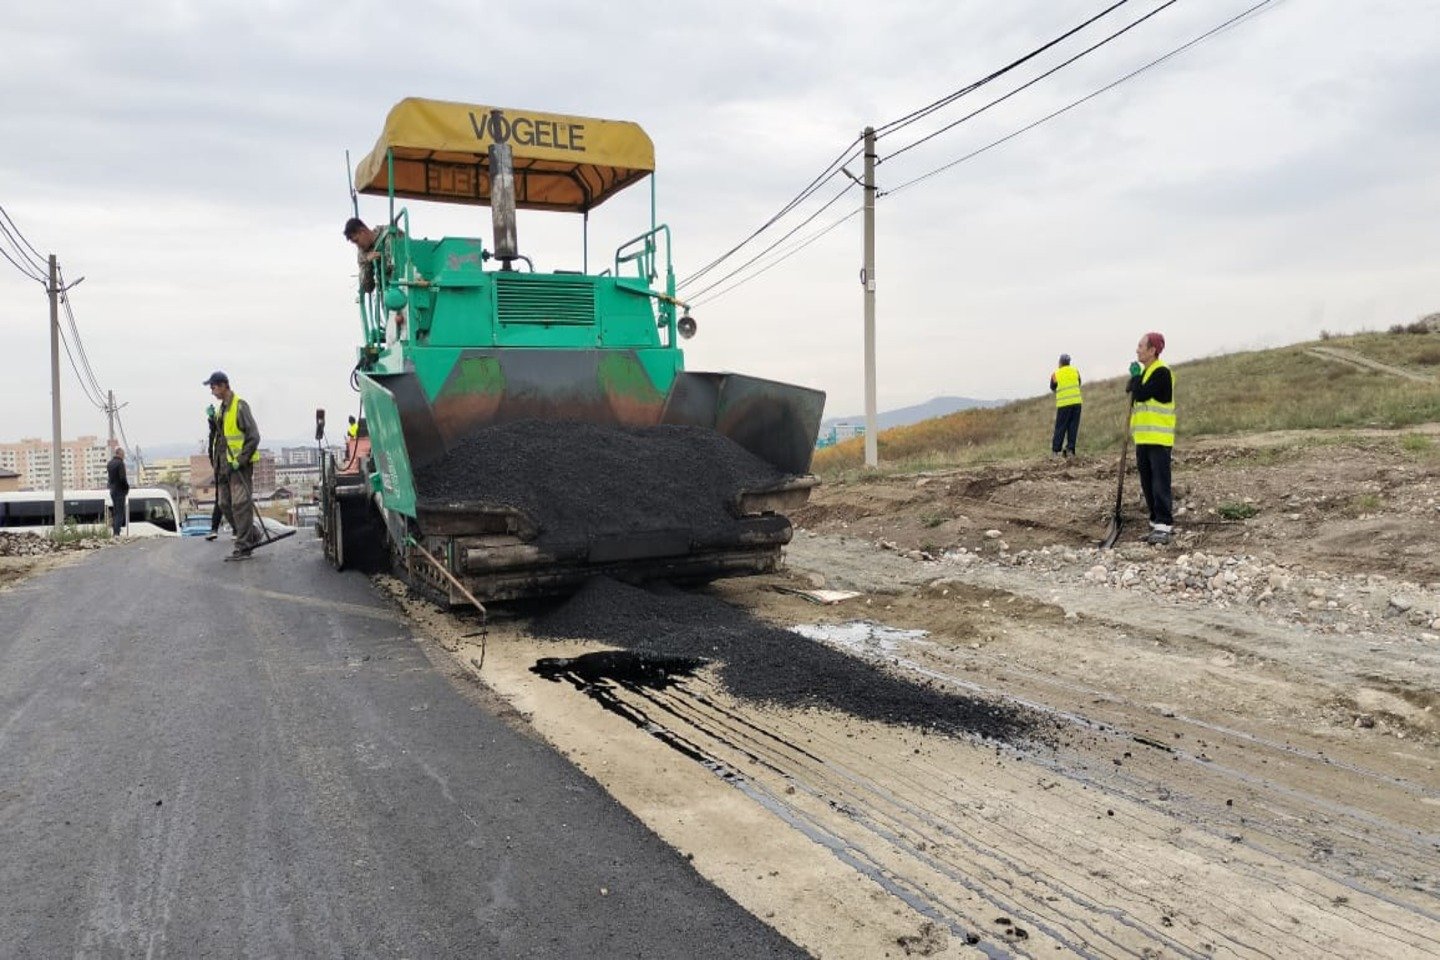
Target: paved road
x,y
201,759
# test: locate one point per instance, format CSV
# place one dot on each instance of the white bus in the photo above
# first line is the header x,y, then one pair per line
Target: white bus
x,y
152,512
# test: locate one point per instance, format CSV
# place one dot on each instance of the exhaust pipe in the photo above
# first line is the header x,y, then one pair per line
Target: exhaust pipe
x,y
502,203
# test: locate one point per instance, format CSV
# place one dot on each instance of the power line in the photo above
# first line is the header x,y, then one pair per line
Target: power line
x,y
949,98
39,258
23,270
832,170
30,263
781,259
1030,83
80,344
85,388
793,230
1090,96
850,153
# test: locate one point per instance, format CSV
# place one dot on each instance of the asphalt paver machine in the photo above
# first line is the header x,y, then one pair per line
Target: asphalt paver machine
x,y
467,350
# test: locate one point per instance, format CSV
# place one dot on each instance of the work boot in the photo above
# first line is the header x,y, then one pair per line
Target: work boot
x,y
239,554
211,535
1158,537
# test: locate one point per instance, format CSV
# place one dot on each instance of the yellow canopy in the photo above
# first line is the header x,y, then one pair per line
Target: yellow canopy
x,y
561,163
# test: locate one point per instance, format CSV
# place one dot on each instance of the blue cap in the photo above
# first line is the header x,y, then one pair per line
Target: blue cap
x,y
217,377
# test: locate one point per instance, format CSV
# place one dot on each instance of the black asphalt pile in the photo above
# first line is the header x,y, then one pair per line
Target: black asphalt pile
x,y
583,480
766,664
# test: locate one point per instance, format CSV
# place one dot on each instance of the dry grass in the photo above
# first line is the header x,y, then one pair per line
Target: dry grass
x,y
1260,391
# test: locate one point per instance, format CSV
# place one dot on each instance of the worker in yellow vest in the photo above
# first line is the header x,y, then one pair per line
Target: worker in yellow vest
x,y
238,451
1065,384
1152,427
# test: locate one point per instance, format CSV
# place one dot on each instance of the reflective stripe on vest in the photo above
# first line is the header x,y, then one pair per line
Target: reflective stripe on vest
x,y
234,438
1067,386
1153,422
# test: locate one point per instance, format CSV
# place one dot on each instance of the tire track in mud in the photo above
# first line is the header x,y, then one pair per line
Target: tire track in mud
x,y
1396,842
904,834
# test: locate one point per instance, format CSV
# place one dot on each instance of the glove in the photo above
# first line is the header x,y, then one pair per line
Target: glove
x,y
1135,368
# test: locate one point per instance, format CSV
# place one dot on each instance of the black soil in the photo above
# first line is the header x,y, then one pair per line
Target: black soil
x,y
767,664
579,481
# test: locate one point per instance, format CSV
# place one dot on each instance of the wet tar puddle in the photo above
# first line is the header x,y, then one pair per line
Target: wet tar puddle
x,y
626,667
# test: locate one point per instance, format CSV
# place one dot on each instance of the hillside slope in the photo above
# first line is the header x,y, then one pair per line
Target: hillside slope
x,y
1304,386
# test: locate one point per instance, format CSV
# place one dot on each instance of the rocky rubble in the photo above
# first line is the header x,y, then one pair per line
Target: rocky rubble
x,y
1361,603
30,545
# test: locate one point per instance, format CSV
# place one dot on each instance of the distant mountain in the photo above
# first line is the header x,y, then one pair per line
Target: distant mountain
x,y
938,407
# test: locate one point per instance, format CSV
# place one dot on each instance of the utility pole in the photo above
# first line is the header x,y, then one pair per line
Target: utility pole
x,y
110,413
872,445
57,473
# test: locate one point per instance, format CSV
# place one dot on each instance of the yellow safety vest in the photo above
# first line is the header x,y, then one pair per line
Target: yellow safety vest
x,y
353,429
1151,421
234,437
1067,386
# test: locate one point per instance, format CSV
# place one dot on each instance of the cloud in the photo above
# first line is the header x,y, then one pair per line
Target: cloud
x,y
186,158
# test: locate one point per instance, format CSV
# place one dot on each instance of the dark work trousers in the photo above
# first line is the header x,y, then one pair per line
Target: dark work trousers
x,y
1154,462
117,515
1067,428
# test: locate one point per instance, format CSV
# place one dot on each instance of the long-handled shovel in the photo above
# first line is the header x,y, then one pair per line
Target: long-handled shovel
x,y
250,492
1112,533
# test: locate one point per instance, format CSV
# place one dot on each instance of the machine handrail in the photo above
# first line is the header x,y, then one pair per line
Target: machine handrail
x,y
646,258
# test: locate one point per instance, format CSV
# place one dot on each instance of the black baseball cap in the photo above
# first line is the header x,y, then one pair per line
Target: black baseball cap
x,y
217,377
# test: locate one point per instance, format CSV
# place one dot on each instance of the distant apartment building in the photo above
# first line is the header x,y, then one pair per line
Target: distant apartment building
x,y
82,463
202,476
172,470
299,457
300,481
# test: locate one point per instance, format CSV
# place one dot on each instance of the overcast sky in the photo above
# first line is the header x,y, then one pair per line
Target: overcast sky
x,y
188,160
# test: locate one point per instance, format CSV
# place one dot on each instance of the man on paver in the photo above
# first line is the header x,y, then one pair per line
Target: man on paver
x,y
1065,384
1152,427
239,449
119,485
366,240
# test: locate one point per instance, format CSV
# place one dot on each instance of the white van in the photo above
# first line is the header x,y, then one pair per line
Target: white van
x,y
152,511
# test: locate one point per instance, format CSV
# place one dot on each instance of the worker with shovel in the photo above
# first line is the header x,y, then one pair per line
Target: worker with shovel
x,y
1152,427
235,466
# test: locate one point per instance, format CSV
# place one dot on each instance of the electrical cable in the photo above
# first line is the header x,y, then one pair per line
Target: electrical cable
x,y
832,170
1030,83
781,259
30,263
1075,103
39,258
909,118
80,344
28,275
827,205
65,342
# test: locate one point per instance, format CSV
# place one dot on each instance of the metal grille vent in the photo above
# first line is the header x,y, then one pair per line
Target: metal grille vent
x,y
551,299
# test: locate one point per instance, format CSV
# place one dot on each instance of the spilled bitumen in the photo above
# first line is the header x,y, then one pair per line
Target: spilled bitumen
x,y
767,664
581,481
